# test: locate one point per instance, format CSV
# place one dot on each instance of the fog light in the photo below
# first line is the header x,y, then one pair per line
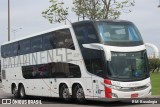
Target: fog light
x,y
114,95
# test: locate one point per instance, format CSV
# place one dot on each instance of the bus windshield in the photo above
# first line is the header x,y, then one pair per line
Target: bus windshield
x,y
128,66
118,32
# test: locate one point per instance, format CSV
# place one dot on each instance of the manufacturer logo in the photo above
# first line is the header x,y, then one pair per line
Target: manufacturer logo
x,y
134,88
6,101
13,101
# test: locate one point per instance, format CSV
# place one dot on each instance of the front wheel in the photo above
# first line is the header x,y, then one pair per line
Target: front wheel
x,y
78,94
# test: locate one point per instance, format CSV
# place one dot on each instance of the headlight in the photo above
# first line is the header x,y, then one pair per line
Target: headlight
x,y
114,95
113,87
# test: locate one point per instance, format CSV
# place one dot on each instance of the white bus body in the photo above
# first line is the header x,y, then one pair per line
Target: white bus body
x,y
83,60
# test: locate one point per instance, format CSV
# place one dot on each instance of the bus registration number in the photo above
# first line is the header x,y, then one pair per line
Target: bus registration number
x,y
134,95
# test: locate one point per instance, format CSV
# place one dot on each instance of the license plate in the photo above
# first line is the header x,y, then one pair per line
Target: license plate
x,y
134,95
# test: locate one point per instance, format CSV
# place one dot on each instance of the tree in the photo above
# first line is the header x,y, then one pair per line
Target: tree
x,y
102,9
114,8
90,9
56,12
154,65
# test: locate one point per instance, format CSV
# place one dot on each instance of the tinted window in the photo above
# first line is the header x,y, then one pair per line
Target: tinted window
x,y
58,39
63,39
36,44
4,51
25,46
8,51
14,49
64,70
74,71
48,42
119,32
51,70
86,34
36,71
94,59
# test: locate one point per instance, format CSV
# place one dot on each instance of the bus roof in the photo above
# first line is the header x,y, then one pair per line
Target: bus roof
x,y
109,20
36,34
61,27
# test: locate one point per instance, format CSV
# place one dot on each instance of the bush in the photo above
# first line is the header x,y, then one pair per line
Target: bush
x,y
154,64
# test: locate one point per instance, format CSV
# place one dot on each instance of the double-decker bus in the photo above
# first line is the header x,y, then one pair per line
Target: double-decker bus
x,y
88,59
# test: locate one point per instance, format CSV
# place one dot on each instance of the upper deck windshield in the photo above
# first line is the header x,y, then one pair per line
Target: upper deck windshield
x,y
119,33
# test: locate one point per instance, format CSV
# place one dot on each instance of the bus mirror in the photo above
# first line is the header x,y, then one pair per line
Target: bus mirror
x,y
155,48
98,46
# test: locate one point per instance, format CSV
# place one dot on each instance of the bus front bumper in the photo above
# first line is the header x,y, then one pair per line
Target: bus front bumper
x,y
133,94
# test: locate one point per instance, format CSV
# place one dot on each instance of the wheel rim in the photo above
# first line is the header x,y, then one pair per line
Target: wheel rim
x,y
80,94
14,90
22,92
65,93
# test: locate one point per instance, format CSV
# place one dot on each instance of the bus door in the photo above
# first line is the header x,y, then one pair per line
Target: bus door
x,y
97,63
97,87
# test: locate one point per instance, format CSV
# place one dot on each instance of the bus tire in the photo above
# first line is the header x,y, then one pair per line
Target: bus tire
x,y
22,93
15,91
64,93
78,94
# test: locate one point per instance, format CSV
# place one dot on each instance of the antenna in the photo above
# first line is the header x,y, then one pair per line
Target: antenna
x,y
68,21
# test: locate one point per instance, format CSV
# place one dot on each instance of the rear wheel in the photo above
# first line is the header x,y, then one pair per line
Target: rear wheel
x,y
78,94
22,92
64,93
15,92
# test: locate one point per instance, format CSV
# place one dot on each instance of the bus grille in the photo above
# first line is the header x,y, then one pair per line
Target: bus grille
x,y
134,88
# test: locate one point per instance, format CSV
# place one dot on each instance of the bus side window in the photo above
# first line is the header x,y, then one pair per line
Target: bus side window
x,y
68,41
8,50
61,70
64,39
36,44
25,47
48,42
15,49
74,71
4,51
65,70
93,59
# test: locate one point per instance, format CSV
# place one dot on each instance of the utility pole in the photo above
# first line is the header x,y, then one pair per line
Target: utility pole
x,y
159,4
8,20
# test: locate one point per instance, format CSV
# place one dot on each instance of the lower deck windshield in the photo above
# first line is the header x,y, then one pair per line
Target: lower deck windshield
x,y
128,66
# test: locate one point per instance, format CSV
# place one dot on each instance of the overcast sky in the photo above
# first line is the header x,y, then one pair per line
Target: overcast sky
x,y
26,14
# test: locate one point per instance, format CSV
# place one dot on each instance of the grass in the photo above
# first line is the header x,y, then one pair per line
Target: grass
x,y
155,79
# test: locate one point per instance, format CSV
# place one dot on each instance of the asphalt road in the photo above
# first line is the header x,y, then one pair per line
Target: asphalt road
x,y
55,102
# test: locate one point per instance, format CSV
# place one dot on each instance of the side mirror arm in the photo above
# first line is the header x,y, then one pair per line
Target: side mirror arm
x,y
154,47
